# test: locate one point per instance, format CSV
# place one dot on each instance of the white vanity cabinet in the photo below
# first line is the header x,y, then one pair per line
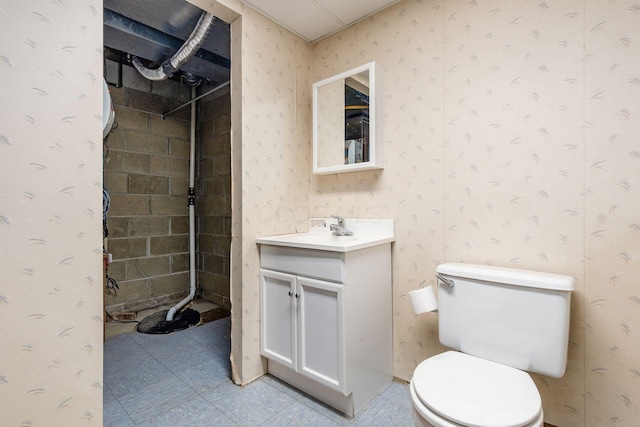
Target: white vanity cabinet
x,y
302,326
326,321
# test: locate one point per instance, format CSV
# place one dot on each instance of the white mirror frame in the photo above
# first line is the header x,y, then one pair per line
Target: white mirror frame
x,y
375,122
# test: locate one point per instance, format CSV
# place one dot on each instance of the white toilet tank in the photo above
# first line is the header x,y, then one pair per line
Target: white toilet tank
x,y
515,317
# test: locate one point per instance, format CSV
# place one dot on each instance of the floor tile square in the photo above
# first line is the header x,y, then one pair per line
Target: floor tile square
x,y
114,415
252,404
399,393
128,378
299,414
207,374
155,398
211,416
383,412
179,414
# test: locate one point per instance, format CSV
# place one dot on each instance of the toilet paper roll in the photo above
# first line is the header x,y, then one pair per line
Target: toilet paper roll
x,y
423,300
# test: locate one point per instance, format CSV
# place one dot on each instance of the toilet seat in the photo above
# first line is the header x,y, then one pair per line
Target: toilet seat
x,y
465,390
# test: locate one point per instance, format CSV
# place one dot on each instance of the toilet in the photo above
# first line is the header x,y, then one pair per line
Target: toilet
x,y
497,323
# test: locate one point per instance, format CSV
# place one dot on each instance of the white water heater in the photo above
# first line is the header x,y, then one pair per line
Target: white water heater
x,y
108,115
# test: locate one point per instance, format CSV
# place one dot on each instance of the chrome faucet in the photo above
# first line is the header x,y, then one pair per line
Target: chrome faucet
x,y
340,229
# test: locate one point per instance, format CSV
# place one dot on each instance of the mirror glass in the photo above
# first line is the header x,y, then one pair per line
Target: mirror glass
x,y
344,125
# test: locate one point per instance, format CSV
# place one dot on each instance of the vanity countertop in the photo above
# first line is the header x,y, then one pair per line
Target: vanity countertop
x,y
326,242
366,233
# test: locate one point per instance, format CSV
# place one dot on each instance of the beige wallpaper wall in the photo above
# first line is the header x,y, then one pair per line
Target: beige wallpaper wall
x,y
276,162
510,139
612,207
51,213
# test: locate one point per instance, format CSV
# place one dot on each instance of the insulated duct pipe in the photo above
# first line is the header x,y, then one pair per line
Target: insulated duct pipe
x,y
186,52
192,216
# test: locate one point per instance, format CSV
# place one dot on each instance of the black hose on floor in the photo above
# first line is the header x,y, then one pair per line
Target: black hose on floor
x,y
156,323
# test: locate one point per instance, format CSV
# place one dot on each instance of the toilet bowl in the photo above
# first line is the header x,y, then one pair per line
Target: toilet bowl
x,y
454,389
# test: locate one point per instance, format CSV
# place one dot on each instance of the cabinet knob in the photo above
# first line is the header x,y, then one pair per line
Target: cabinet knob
x,y
290,293
297,296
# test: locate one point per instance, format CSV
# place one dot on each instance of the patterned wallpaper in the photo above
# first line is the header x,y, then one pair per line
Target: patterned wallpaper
x,y
510,139
275,154
612,206
50,213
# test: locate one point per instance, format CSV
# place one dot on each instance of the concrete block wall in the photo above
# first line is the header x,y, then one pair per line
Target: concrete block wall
x,y
213,190
146,172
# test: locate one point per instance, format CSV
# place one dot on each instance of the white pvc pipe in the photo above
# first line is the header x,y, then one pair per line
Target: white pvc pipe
x,y
192,220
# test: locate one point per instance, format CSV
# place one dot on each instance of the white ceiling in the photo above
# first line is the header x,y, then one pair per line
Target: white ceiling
x,y
315,19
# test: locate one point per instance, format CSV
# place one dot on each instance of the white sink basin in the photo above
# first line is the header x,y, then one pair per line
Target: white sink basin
x,y
326,242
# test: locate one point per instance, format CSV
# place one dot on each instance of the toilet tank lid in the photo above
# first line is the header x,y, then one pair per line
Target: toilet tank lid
x,y
510,276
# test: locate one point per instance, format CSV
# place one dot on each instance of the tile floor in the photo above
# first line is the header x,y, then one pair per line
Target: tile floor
x,y
183,379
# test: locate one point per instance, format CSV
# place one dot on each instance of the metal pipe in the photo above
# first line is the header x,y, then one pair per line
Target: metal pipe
x,y
164,115
120,59
192,221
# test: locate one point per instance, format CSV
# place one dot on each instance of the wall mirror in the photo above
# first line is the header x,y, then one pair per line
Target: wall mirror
x,y
347,121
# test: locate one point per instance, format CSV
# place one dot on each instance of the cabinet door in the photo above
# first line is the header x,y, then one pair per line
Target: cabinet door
x,y
278,317
321,337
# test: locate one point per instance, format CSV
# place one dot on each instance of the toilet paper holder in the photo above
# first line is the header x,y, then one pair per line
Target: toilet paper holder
x,y
446,281
423,300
